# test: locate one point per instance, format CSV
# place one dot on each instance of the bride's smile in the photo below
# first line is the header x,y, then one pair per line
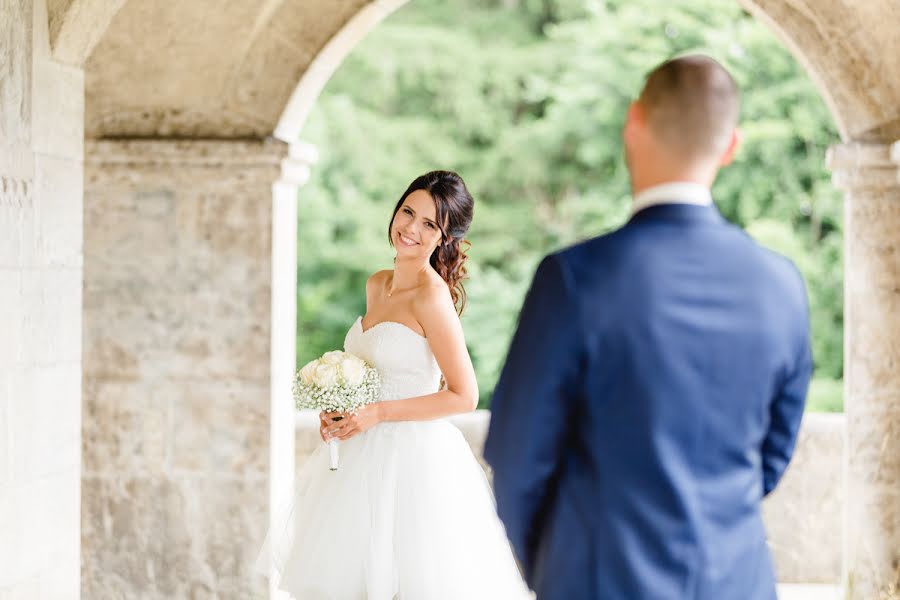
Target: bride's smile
x,y
406,241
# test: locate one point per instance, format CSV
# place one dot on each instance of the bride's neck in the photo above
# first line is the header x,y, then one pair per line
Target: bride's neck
x,y
408,271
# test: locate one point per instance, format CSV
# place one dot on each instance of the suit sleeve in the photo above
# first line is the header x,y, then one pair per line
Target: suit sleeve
x,y
532,407
786,409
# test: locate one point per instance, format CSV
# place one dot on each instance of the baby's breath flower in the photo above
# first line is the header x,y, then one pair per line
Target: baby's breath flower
x,y
338,395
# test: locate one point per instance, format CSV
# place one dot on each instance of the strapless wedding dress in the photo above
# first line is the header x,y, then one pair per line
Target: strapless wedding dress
x,y
409,514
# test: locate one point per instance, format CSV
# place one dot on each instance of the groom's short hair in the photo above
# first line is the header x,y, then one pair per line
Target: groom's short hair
x,y
691,104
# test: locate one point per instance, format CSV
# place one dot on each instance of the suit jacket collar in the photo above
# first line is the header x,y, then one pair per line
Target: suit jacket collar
x,y
673,192
694,213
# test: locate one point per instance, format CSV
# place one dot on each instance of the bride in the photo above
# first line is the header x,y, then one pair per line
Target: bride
x,y
409,514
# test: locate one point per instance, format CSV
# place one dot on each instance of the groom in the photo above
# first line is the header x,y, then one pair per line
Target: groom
x,y
655,385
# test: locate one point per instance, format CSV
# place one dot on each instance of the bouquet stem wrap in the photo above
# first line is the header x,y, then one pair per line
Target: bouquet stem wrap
x,y
333,454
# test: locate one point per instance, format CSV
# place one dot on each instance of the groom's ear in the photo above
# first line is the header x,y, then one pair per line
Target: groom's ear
x,y
734,145
633,118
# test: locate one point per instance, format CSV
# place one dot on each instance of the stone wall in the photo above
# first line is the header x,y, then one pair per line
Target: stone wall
x,y
177,324
41,132
870,176
803,515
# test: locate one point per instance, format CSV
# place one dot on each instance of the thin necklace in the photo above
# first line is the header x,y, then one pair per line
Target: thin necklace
x,y
391,292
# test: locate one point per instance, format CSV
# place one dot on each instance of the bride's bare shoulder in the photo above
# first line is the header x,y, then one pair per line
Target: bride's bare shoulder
x,y
378,278
432,294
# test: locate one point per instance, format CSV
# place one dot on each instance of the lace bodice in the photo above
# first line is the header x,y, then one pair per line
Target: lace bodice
x,y
402,356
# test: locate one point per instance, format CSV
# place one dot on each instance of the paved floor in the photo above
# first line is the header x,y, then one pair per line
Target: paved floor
x,y
808,592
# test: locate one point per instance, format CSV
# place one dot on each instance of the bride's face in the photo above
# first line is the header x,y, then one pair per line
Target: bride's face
x,y
414,230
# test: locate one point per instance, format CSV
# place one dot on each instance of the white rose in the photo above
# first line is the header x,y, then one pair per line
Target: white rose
x,y
308,372
354,370
326,375
332,358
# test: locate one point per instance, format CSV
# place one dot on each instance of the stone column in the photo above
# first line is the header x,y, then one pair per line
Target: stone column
x,y
178,272
41,144
870,176
295,172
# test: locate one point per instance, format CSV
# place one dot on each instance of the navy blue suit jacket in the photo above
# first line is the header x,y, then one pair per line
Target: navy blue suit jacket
x,y
650,399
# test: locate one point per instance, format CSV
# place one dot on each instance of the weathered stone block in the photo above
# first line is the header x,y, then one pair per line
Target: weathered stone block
x,y
803,515
221,428
16,57
17,221
24,513
11,307
48,443
24,589
51,318
874,516
5,437
172,538
58,110
126,427
135,540
873,438
59,184
62,579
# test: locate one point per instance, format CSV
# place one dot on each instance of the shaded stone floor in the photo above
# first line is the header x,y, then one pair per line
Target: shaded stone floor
x,y
799,591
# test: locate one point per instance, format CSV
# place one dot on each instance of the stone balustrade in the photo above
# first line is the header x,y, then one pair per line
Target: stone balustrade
x,y
803,515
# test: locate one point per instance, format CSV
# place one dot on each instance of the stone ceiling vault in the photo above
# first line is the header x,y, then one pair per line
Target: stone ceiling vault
x,y
204,68
211,69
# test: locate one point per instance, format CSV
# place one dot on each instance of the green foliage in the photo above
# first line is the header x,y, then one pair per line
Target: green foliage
x,y
825,395
526,99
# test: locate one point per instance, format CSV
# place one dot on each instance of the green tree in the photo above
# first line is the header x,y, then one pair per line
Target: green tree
x,y
526,99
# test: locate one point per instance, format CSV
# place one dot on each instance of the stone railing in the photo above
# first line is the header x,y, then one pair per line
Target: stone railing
x,y
803,515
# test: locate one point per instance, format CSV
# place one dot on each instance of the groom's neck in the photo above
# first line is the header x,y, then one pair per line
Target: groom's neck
x,y
644,177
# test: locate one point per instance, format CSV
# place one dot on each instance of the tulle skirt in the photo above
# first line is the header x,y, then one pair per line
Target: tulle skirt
x,y
409,515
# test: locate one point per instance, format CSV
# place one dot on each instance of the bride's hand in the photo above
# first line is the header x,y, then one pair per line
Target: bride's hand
x,y
323,426
352,424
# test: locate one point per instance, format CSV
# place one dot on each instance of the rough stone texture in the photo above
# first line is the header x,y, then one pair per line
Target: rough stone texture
x,y
177,319
162,69
171,537
16,61
870,175
803,515
852,51
77,25
40,310
329,58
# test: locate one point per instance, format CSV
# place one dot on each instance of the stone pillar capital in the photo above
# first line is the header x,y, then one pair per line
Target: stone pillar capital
x,y
858,166
207,164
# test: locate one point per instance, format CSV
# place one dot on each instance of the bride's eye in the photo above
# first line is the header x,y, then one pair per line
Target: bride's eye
x,y
407,211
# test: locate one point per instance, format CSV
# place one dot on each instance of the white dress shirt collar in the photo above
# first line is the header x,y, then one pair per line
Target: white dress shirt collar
x,y
677,192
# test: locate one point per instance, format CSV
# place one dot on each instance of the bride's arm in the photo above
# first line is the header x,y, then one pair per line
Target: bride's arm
x,y
436,314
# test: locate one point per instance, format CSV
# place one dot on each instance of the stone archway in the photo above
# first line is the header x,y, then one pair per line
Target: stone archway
x,y
182,97
840,47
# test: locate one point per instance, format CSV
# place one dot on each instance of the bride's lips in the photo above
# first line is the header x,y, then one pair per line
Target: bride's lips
x,y
406,241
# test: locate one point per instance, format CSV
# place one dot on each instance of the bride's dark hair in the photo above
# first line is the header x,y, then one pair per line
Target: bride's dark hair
x,y
454,206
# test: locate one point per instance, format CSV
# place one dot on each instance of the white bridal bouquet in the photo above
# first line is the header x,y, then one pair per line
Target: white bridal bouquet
x,y
336,382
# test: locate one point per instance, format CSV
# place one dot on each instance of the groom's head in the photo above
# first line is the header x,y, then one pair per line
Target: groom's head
x,y
684,124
